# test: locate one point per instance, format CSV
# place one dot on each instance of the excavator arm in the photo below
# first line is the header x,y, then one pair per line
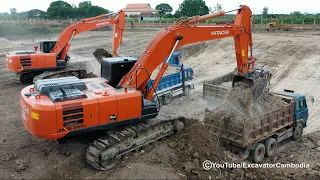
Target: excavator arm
x,y
184,33
63,44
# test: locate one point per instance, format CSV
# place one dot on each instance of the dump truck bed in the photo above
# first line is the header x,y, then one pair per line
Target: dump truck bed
x,y
217,88
245,133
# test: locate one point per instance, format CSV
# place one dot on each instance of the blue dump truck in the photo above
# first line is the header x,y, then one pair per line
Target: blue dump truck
x,y
175,59
176,84
179,83
258,137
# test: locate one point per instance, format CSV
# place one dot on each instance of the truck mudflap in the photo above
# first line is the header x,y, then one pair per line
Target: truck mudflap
x,y
244,133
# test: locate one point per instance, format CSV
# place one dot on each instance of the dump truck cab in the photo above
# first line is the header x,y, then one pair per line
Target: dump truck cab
x,y
175,59
301,111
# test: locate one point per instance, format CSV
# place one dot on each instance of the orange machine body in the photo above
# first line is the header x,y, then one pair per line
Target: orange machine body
x,y
161,46
54,120
53,55
103,106
25,62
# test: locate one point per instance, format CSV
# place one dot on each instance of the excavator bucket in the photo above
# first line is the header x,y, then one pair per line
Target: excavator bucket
x,y
258,80
101,53
219,88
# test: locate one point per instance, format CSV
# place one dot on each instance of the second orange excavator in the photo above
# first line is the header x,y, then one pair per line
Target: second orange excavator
x,y
59,108
53,55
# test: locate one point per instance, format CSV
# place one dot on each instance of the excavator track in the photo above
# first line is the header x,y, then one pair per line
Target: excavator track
x,y
80,73
106,151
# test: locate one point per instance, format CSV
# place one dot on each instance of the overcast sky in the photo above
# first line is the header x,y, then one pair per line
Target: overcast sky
x,y
275,6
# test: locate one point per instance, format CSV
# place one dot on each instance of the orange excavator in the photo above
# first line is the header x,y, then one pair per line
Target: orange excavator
x,y
53,55
120,100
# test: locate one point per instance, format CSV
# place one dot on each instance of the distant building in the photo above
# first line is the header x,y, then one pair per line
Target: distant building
x,y
141,12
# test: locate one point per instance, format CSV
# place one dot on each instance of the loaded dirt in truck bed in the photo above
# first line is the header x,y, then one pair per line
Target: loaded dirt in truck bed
x,y
235,106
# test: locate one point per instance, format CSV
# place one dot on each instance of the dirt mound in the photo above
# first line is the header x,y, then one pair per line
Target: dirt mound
x,y
101,53
5,42
237,107
195,145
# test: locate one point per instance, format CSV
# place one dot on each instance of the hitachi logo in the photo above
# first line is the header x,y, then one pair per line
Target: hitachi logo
x,y
215,33
102,24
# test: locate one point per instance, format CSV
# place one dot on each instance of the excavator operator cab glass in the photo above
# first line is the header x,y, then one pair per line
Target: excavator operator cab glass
x,y
47,46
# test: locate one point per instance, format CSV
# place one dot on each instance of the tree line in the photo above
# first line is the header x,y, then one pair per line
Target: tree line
x,y
63,10
60,10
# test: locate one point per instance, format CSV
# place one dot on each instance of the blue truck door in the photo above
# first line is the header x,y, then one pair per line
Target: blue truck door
x,y
301,110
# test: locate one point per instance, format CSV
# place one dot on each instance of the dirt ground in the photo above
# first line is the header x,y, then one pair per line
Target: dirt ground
x,y
292,57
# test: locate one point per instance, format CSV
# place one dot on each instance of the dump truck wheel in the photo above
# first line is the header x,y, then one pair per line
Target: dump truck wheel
x,y
187,91
297,132
271,146
167,98
258,153
158,101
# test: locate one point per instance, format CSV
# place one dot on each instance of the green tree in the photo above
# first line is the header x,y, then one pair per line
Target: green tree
x,y
59,9
85,4
296,13
83,9
169,15
13,11
217,8
96,10
193,8
177,14
36,13
86,9
164,8
265,11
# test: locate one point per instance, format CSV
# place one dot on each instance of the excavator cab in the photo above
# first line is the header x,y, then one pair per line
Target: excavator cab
x,y
47,45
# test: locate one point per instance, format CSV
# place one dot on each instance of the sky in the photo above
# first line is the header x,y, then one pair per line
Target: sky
x,y
275,6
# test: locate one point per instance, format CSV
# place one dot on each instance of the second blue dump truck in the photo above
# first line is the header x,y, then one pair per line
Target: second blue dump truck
x,y
172,85
259,136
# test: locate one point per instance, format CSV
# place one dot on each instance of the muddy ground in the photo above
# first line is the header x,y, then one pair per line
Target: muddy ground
x,y
294,59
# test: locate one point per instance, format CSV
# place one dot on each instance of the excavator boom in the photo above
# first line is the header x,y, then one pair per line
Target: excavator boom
x,y
53,54
63,44
185,32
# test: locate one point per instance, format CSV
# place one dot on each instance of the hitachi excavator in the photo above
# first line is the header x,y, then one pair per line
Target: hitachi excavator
x,y
53,55
119,102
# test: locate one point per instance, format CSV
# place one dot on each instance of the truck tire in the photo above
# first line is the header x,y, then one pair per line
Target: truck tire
x,y
258,153
187,91
167,98
158,101
297,132
271,146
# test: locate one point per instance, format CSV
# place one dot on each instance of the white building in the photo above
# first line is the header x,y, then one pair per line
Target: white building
x,y
141,12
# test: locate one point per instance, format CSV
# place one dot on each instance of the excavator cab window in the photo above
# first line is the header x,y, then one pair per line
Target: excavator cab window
x,y
47,46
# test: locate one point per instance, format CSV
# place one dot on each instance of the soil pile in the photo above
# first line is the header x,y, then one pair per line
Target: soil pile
x,y
5,42
195,144
237,105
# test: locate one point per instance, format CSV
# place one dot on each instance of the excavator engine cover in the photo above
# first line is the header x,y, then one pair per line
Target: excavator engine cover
x,y
61,89
259,80
113,69
47,46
